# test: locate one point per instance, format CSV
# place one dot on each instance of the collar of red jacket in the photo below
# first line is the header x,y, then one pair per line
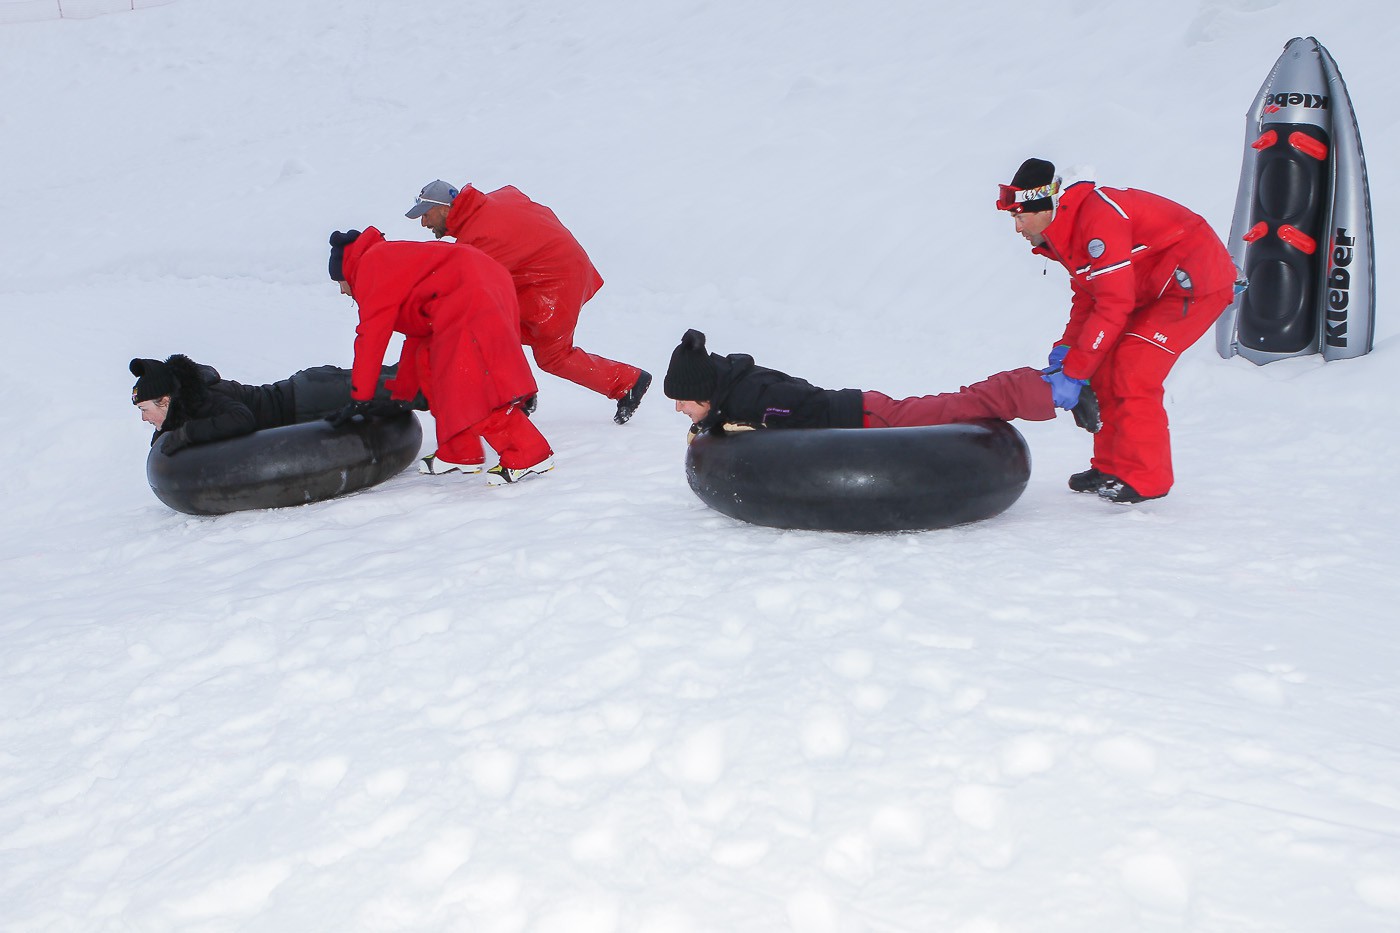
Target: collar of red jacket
x,y
467,203
350,260
1057,234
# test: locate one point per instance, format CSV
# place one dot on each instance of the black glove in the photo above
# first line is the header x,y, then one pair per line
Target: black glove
x,y
343,417
386,408
1086,411
174,441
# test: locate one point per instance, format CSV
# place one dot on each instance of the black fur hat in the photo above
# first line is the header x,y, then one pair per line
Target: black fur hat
x,y
338,243
153,380
691,377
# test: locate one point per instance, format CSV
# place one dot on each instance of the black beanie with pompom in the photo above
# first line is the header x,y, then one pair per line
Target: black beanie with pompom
x,y
339,241
153,380
692,376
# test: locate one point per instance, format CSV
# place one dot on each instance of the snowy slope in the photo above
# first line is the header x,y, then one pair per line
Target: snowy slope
x,y
588,704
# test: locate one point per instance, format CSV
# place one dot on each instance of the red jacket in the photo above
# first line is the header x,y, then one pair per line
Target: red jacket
x,y
1123,249
553,275
456,309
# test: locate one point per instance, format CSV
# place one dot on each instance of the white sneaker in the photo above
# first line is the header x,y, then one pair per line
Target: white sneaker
x,y
432,466
499,475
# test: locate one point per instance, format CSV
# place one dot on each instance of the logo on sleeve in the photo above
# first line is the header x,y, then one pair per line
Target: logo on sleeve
x,y
1095,247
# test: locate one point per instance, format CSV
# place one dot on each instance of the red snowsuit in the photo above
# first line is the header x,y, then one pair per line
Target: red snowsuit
x,y
553,278
1148,278
456,310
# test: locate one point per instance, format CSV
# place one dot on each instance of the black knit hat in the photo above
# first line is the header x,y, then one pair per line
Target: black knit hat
x,y
691,377
338,243
1033,189
153,380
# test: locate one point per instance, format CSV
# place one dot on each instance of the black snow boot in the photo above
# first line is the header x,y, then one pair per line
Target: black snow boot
x,y
1090,480
1115,490
627,405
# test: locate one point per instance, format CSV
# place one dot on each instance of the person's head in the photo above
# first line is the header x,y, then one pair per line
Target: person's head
x,y
336,266
151,394
432,205
1031,198
691,378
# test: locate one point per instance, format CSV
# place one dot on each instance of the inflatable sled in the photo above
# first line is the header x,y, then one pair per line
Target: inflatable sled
x,y
277,467
1302,225
861,479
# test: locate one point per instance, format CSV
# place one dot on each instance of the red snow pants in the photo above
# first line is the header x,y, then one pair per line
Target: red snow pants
x,y
509,432
1017,393
548,318
1135,443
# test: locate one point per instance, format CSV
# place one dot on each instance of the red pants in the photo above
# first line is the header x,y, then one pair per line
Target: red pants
x,y
553,344
509,432
1017,393
1135,444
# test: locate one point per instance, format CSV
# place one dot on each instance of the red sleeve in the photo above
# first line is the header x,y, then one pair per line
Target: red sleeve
x,y
1104,290
407,383
378,312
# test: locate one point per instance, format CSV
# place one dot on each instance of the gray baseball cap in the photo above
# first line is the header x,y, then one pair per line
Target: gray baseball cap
x,y
433,193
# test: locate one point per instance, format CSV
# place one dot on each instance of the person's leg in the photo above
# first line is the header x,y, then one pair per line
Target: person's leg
x,y
1017,393
515,437
549,314
319,391
324,390
463,448
1140,454
556,354
1140,439
1106,441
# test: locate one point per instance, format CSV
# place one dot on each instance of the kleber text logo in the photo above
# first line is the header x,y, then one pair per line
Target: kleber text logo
x,y
1276,102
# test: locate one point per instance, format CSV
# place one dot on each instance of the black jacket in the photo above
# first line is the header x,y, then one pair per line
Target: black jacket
x,y
207,408
753,395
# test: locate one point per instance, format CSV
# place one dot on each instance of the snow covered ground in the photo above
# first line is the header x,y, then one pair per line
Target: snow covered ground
x,y
588,704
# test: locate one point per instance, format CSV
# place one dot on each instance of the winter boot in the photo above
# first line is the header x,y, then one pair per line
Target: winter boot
x,y
1090,480
1086,411
1115,490
500,475
432,466
627,405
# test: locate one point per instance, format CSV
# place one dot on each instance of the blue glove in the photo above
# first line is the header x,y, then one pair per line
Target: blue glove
x,y
1057,357
1064,390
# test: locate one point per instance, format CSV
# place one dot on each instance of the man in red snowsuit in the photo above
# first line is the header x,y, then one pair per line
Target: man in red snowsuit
x,y
456,309
553,278
1148,277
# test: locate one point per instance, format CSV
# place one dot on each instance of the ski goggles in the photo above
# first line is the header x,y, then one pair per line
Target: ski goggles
x,y
1013,199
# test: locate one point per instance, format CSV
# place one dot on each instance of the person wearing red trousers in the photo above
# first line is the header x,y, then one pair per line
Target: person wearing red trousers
x,y
455,307
1147,277
731,392
553,279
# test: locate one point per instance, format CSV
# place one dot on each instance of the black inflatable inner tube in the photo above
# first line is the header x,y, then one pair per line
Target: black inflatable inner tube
x,y
277,467
861,479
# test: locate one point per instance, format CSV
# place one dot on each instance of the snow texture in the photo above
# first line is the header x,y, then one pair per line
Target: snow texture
x,y
588,704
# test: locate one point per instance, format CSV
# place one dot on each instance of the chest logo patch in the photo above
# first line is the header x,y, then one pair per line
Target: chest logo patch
x,y
1095,248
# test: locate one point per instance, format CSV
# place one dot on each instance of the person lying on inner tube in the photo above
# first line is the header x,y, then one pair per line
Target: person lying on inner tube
x,y
731,392
190,403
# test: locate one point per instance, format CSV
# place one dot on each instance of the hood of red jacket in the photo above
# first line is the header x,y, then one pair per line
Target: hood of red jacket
x,y
369,238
